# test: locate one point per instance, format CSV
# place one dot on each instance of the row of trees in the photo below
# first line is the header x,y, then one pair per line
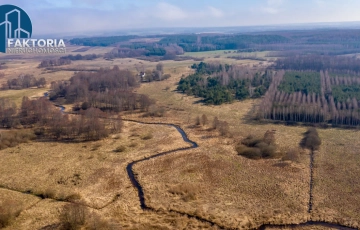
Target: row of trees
x,y
339,64
24,81
54,62
106,89
308,107
79,57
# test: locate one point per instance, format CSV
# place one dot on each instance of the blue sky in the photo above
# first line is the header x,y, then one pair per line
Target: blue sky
x,y
78,16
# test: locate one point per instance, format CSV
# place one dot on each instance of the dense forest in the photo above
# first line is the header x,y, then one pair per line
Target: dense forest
x,y
196,43
336,64
101,41
336,101
217,83
280,43
106,89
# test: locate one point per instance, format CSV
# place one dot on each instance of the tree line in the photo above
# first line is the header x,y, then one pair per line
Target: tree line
x,y
24,81
106,89
54,62
49,122
323,106
337,64
79,57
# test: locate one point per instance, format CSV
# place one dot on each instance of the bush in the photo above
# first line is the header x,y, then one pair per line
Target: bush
x,y
155,111
187,192
9,210
267,151
224,128
147,136
249,152
13,138
120,149
311,140
73,216
85,105
204,120
257,148
251,141
197,121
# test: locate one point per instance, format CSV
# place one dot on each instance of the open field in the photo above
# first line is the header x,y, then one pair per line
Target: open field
x,y
211,182
91,174
214,183
335,164
17,95
337,184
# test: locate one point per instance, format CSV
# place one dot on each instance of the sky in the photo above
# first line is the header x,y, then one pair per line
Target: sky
x,y
84,16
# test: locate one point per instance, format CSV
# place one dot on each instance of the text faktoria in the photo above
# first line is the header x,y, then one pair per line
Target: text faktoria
x,y
23,43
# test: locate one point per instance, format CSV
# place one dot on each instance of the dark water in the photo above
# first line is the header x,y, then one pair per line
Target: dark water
x,y
311,181
130,172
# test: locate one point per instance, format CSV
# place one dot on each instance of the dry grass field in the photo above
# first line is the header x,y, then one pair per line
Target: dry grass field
x,y
211,182
336,165
337,183
92,174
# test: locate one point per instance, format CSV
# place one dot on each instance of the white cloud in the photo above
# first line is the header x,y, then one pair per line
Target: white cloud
x,y
215,12
167,11
273,6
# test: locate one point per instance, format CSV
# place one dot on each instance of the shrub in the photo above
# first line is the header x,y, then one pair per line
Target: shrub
x,y
9,210
116,137
120,149
215,123
49,193
224,128
155,111
311,140
197,121
251,141
269,137
73,216
204,120
147,136
186,191
73,197
85,105
256,148
13,138
267,151
249,152
39,131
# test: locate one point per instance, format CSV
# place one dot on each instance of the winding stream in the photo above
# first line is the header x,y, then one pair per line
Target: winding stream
x,y
129,167
143,205
139,188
